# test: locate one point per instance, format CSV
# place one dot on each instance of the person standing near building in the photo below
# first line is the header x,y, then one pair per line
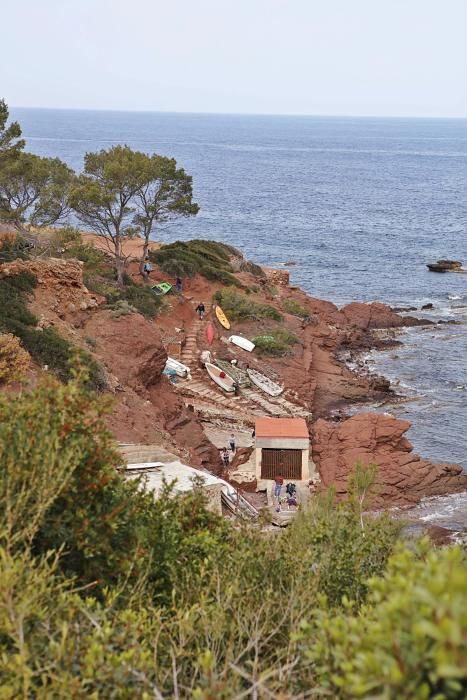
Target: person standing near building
x,y
278,480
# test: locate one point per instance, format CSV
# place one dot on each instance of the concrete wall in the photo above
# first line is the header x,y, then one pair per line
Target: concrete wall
x,y
283,443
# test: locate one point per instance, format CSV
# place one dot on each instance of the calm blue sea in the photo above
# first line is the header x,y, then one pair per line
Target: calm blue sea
x,y
360,204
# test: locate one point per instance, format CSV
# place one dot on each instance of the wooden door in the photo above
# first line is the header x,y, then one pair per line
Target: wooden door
x,y
285,462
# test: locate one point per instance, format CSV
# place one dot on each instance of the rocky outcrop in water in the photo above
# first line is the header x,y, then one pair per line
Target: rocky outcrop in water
x,y
403,477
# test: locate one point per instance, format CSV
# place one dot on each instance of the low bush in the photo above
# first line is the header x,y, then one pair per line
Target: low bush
x,y
46,346
106,592
12,248
239,307
122,308
276,343
291,306
68,242
14,360
189,258
135,298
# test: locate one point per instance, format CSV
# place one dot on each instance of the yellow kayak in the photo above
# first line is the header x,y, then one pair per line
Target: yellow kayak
x,y
222,318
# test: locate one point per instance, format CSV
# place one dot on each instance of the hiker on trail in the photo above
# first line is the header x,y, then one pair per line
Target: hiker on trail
x,y
232,442
225,457
200,310
278,480
179,285
147,268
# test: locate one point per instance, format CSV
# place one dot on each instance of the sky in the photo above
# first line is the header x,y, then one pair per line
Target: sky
x,y
326,57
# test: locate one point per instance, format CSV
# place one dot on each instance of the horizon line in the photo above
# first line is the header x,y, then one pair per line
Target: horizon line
x,y
237,114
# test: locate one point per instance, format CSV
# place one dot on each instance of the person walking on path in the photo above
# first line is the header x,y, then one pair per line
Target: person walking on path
x,y
225,457
147,268
232,443
179,285
200,310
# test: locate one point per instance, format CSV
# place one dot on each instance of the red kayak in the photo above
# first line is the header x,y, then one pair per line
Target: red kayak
x,y
210,333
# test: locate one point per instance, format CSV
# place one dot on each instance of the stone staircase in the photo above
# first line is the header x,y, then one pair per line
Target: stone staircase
x,y
190,349
202,392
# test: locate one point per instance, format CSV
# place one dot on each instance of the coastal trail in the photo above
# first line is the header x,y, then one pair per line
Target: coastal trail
x,y
205,397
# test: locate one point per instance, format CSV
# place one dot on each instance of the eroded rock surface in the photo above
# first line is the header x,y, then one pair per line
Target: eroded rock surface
x,y
403,477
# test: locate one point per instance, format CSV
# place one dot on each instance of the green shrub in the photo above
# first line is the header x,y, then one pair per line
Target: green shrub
x,y
276,343
122,308
46,346
239,308
171,605
187,259
137,297
408,641
291,306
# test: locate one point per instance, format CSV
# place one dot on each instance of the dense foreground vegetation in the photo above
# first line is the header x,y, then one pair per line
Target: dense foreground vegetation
x,y
106,593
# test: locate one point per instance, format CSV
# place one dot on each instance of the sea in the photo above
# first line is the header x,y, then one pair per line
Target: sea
x,y
360,205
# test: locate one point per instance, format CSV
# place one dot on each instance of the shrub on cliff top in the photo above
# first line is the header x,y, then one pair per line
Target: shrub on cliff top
x,y
189,258
239,307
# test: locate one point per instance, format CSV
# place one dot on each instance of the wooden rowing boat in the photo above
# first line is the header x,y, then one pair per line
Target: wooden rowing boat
x,y
239,375
264,383
222,379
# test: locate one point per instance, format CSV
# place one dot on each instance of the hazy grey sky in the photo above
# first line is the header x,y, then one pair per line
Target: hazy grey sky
x,y
346,57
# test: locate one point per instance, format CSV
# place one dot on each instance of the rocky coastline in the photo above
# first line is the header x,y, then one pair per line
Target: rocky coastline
x,y
148,409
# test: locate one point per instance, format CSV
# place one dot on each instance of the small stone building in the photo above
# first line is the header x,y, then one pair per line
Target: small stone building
x,y
282,446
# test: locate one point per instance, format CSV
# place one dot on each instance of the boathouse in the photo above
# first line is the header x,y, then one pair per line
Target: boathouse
x,y
282,446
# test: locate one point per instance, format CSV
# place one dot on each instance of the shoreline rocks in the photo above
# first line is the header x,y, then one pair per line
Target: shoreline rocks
x,y
403,477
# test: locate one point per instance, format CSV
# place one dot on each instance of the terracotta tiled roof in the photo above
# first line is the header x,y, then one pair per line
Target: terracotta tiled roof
x,y
281,427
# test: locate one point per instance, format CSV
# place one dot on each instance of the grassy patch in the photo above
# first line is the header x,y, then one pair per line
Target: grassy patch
x,y
293,307
239,307
189,258
46,346
134,298
276,343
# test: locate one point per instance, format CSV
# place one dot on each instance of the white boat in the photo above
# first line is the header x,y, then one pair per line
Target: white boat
x,y
264,383
177,367
242,342
219,376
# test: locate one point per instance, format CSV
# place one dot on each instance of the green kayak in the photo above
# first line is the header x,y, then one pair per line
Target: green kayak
x,y
161,288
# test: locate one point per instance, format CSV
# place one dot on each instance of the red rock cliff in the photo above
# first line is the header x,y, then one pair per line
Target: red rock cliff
x,y
403,478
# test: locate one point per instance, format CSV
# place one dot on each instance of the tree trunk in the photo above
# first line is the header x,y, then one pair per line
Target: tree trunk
x,y
145,246
119,262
